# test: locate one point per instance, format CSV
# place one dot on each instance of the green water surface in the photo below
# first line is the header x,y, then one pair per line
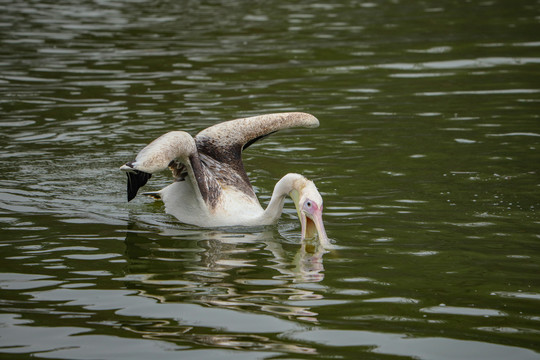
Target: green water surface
x,y
427,158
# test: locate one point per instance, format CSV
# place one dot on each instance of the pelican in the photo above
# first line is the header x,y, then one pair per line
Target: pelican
x,y
211,187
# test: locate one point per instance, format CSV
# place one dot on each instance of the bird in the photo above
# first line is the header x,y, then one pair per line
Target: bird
x,y
211,187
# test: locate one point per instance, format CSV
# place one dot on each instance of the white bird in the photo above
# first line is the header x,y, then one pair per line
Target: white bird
x,y
211,187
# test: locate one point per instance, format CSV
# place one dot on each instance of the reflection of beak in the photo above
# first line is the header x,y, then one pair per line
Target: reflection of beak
x,y
312,226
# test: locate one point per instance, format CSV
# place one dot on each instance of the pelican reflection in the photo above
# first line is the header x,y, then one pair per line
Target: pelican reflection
x,y
252,271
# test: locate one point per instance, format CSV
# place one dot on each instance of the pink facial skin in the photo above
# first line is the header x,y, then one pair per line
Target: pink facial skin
x,y
311,221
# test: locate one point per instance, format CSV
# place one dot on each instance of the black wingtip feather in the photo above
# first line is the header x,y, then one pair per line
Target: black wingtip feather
x,y
136,179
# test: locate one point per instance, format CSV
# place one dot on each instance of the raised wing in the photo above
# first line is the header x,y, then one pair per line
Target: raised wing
x,y
222,144
225,141
213,158
173,148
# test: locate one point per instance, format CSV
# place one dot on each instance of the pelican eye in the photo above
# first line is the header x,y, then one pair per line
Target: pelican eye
x,y
308,204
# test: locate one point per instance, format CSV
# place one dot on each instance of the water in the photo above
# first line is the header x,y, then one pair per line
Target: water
x,y
427,159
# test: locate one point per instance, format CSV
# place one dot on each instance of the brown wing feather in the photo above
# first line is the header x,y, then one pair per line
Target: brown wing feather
x,y
224,142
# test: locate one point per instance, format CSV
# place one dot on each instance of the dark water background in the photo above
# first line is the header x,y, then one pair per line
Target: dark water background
x,y
427,157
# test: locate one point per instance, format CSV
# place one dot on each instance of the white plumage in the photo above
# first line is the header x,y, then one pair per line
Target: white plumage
x,y
212,188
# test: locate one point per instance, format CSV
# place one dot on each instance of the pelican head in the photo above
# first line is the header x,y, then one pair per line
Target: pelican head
x,y
309,205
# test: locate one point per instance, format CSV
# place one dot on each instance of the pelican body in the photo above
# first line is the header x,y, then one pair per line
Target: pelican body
x,y
211,187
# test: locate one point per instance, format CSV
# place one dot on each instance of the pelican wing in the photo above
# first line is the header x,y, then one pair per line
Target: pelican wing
x,y
225,141
222,144
175,149
213,159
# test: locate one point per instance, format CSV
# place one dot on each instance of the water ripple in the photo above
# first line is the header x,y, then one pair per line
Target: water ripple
x,y
426,158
